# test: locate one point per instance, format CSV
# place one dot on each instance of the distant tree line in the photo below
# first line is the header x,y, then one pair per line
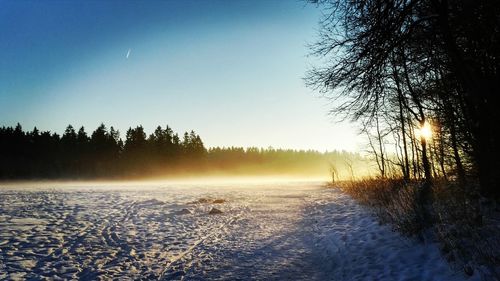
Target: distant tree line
x,y
397,66
77,154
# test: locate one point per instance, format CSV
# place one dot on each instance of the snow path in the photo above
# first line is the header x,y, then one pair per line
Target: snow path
x,y
272,231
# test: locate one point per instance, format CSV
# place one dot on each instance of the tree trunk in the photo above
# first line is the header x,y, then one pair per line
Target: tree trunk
x,y
480,90
425,162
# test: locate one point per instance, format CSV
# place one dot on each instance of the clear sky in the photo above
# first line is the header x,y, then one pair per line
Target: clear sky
x,y
231,70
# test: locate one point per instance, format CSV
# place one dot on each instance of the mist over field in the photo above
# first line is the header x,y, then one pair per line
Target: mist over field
x,y
103,154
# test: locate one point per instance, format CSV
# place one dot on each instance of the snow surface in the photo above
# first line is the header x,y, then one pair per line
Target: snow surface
x,y
270,231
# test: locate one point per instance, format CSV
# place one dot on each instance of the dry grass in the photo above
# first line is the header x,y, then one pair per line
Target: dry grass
x,y
466,226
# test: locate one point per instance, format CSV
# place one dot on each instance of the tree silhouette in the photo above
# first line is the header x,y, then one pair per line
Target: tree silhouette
x,y
75,155
415,62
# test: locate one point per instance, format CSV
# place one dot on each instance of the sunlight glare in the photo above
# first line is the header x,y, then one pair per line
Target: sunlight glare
x,y
425,131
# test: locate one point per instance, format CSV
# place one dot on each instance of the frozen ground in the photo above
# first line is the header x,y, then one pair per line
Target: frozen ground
x,y
271,231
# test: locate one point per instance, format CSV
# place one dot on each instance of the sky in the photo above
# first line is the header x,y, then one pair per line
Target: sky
x,y
230,70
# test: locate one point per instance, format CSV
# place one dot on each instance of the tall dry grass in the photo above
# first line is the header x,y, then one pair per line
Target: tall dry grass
x,y
466,226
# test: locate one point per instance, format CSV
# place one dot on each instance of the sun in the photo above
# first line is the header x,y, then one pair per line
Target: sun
x,y
425,131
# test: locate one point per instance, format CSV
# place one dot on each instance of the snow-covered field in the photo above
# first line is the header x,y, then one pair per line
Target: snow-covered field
x,y
266,231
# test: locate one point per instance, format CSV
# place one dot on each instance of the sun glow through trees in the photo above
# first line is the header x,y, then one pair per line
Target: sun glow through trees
x,y
425,131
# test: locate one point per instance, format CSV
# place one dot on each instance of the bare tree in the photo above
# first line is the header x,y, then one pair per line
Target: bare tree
x,y
437,58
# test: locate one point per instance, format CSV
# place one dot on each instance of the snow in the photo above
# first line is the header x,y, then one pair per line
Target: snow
x,y
272,231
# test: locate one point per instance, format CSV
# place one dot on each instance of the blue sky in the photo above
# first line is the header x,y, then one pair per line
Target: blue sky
x,y
230,70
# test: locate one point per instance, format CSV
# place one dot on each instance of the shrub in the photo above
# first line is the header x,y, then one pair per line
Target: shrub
x,y
466,226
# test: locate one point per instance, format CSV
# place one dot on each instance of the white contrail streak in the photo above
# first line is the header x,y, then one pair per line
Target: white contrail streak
x,y
128,53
